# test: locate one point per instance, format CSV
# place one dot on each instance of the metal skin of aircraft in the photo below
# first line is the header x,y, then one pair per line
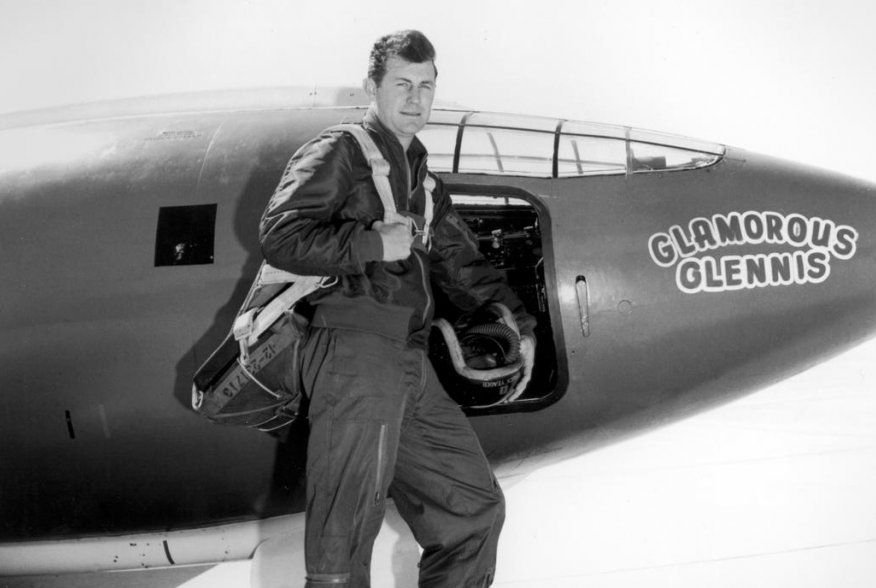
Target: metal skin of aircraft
x,y
667,274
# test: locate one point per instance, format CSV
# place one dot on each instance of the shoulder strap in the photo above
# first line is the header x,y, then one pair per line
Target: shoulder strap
x,y
379,166
429,187
380,174
252,322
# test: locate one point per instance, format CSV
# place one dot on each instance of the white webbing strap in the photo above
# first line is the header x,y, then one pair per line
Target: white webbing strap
x,y
380,174
248,326
429,187
379,167
269,274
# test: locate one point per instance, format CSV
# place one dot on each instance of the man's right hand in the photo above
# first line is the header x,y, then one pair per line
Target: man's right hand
x,y
397,240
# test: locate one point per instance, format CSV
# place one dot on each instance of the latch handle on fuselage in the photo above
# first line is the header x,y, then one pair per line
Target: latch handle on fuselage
x,y
583,304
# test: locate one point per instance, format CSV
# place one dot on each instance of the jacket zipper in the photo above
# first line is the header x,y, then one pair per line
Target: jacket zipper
x,y
381,451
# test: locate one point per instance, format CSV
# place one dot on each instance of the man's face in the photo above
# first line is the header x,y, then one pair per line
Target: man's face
x,y
403,99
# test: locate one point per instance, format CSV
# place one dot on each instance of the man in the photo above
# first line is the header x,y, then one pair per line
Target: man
x,y
380,422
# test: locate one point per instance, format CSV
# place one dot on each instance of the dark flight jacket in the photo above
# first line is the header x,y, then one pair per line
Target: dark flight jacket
x,y
318,223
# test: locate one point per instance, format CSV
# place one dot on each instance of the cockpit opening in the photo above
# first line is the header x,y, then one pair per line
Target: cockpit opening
x,y
510,234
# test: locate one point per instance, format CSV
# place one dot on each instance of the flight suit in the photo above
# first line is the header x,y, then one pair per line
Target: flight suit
x,y
381,424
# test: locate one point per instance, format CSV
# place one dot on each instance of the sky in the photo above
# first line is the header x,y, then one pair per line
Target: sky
x,y
782,77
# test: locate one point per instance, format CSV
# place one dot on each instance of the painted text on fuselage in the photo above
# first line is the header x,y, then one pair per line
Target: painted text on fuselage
x,y
813,242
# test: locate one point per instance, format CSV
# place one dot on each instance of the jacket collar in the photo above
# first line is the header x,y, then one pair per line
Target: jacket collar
x,y
372,122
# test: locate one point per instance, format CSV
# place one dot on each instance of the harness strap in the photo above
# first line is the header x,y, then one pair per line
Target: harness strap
x,y
429,187
380,174
249,325
379,165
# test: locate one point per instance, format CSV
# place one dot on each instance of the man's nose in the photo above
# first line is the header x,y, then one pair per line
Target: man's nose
x,y
414,95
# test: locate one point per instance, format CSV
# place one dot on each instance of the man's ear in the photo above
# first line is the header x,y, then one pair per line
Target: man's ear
x,y
370,88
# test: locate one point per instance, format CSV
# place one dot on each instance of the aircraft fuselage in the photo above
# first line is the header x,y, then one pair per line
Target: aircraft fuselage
x,y
127,244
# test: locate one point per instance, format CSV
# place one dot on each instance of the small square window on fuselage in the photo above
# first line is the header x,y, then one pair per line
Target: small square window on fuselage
x,y
185,235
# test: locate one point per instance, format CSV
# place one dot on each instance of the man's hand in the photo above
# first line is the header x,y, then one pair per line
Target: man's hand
x,y
397,240
527,352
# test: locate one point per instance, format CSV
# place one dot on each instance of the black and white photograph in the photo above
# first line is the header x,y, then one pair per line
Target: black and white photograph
x,y
451,295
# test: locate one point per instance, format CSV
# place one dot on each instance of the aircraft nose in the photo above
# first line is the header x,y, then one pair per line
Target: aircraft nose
x,y
801,243
763,267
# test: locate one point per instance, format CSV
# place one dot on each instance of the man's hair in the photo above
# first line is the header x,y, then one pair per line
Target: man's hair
x,y
410,45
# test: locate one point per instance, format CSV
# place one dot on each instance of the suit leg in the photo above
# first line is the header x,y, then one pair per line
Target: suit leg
x,y
445,490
